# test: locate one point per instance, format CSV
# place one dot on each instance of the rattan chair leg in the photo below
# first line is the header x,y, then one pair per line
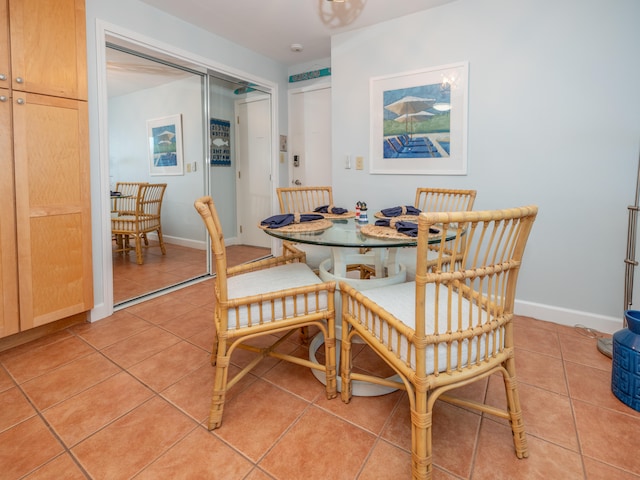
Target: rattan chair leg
x,y
330,365
421,443
345,365
139,258
219,392
515,412
161,240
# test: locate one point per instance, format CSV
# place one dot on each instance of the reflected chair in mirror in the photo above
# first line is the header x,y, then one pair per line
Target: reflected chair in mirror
x,y
435,200
146,218
269,299
450,327
126,203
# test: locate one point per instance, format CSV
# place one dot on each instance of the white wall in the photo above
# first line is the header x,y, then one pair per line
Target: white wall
x,y
554,120
194,43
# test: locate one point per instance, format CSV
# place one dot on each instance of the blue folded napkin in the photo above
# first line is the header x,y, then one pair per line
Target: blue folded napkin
x,y
285,219
408,228
331,209
402,210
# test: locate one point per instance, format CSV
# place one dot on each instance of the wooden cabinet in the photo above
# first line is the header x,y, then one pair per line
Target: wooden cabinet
x,y
9,320
45,227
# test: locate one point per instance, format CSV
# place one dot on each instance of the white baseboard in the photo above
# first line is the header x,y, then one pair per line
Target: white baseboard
x,y
187,242
565,316
183,242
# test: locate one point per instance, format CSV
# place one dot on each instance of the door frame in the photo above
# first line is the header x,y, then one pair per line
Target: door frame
x,y
101,223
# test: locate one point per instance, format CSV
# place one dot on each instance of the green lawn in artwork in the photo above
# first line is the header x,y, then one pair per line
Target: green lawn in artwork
x,y
436,124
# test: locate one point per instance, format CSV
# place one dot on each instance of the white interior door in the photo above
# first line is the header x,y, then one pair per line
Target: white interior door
x,y
310,136
253,175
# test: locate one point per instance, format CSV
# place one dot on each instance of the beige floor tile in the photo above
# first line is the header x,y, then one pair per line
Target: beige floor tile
x,y
84,414
170,365
70,379
608,436
26,447
198,455
62,466
140,346
45,358
255,419
540,370
134,441
320,445
496,458
14,408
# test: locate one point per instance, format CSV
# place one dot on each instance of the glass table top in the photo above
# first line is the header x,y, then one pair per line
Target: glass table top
x,y
347,233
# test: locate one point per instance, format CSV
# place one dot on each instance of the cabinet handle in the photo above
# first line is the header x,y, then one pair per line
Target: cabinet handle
x,y
3,76
19,80
20,101
3,98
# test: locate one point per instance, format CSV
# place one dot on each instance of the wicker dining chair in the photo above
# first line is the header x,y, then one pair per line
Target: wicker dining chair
x,y
145,218
263,299
306,200
126,204
435,200
450,327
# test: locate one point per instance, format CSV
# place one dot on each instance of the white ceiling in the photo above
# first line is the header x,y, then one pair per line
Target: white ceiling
x,y
270,27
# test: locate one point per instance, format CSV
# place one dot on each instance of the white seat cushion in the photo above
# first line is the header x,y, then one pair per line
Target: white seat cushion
x,y
399,300
271,280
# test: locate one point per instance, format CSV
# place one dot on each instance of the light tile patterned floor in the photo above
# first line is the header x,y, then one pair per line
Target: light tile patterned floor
x,y
128,397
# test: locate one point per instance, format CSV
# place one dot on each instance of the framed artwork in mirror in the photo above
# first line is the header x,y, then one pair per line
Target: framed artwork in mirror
x,y
165,145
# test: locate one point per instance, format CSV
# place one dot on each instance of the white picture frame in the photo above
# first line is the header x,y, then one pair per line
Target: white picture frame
x,y
419,121
164,137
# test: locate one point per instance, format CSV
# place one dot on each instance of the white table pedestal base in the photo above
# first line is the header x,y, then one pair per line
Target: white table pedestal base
x,y
358,388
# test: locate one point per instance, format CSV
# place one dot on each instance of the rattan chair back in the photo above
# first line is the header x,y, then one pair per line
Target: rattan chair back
x,y
444,200
452,326
127,203
303,199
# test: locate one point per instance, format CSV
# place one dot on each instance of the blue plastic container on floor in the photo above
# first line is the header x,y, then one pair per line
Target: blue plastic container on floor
x,y
625,373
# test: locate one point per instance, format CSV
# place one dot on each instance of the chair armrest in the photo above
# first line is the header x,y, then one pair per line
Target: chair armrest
x,y
299,257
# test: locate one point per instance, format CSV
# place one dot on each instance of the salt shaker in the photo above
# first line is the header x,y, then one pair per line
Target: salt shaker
x,y
363,213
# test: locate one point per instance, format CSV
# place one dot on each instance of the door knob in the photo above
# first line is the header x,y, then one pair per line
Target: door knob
x,y
297,182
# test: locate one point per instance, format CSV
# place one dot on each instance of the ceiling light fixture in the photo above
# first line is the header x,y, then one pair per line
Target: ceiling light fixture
x,y
336,1
296,47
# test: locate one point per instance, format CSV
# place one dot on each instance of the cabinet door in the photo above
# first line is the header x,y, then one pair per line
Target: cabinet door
x,y
48,47
5,73
9,323
52,207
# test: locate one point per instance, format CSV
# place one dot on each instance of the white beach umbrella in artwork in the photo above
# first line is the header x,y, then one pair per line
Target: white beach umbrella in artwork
x,y
410,104
409,118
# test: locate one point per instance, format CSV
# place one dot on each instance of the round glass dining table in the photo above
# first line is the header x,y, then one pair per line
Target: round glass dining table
x,y
345,236
346,240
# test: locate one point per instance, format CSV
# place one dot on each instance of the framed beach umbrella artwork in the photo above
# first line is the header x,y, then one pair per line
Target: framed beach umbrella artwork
x,y
165,145
419,121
